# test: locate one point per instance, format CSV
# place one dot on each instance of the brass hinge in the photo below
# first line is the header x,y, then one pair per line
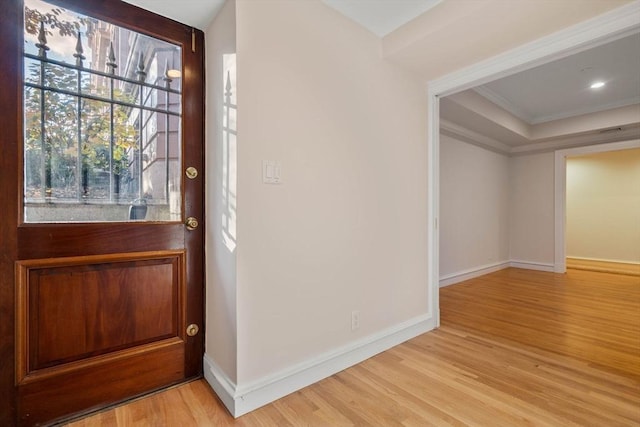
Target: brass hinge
x,y
193,40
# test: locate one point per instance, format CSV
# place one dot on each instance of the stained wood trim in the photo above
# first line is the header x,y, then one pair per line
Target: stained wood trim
x,y
97,361
98,259
21,322
56,240
11,42
604,266
50,399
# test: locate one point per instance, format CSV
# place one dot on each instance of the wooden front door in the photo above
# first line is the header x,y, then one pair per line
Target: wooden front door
x,y
101,276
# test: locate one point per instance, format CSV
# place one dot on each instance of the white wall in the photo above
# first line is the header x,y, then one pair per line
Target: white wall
x,y
346,230
474,207
221,311
531,216
603,206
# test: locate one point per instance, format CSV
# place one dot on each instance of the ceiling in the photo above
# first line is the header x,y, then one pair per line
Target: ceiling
x,y
533,98
381,17
560,89
552,106
196,13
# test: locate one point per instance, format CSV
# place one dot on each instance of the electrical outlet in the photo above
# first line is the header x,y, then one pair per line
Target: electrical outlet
x,y
355,320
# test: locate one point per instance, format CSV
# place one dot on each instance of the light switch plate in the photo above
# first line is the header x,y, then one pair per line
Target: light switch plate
x,y
271,172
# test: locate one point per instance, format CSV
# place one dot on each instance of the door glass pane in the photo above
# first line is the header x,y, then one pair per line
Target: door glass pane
x,y
102,119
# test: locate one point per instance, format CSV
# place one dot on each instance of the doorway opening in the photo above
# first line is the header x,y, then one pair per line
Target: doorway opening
x,y
560,180
606,28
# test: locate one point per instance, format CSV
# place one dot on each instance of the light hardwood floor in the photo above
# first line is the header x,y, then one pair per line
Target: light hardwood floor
x,y
516,348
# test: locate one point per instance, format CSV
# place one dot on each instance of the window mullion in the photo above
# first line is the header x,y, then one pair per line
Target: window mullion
x,y
83,181
142,75
167,81
114,178
83,177
45,157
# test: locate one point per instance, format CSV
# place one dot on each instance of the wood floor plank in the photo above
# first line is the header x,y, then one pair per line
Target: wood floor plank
x,y
591,316
516,348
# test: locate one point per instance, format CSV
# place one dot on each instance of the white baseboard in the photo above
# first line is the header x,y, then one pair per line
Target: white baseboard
x,y
222,385
471,273
528,265
244,398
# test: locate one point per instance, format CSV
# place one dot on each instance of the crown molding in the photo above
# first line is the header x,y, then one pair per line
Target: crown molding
x,y
627,133
605,28
586,110
462,133
502,102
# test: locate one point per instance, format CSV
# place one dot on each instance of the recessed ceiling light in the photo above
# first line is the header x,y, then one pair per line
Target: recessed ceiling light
x,y
596,85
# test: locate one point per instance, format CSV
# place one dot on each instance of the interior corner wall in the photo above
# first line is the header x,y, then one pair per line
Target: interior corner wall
x,y
603,206
531,227
474,208
220,245
346,228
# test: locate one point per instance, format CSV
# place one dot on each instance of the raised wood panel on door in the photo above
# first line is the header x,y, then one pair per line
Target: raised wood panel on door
x,y
105,380
88,319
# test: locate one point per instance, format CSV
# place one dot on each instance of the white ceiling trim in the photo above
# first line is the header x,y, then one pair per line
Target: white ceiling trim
x,y
587,110
460,132
626,134
511,108
610,26
599,137
503,103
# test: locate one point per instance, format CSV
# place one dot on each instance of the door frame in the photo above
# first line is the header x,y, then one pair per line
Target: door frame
x,y
10,138
615,24
560,196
